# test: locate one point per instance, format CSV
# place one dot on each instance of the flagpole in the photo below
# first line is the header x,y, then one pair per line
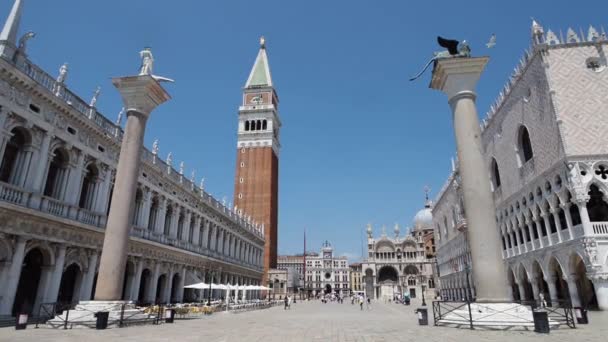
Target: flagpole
x,y
304,266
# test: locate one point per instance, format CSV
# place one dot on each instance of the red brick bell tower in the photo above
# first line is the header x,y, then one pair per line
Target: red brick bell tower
x,y
256,186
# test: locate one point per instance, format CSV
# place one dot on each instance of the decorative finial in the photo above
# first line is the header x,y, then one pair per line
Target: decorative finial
x,y
202,184
224,201
155,147
181,168
63,73
426,193
169,159
192,176
262,42
396,229
119,121
369,230
383,231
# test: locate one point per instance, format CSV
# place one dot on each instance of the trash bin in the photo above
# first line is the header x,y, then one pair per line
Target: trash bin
x,y
102,320
541,321
21,322
423,316
169,315
581,315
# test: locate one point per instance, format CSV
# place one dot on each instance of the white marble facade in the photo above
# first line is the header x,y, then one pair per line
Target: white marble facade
x,y
544,140
58,157
400,265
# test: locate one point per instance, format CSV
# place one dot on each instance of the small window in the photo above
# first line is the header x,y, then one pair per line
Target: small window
x,y
595,64
495,175
145,175
525,145
528,95
242,164
71,130
264,125
240,196
242,150
34,108
241,180
246,125
101,148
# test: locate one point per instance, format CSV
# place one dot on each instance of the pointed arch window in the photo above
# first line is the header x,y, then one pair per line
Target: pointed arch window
x,y
495,175
524,145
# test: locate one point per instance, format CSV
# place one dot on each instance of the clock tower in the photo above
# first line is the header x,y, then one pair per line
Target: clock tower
x,y
257,164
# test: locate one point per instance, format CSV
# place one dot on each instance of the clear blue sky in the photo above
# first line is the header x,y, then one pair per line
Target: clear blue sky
x,y
359,140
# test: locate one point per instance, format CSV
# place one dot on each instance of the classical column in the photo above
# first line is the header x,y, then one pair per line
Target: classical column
x,y
545,217
180,290
145,212
174,221
558,225
539,232
552,289
53,289
187,226
168,286
161,214
74,182
9,289
150,296
535,289
137,280
522,291
582,207
566,209
531,232
140,94
89,277
457,78
601,292
573,290
42,157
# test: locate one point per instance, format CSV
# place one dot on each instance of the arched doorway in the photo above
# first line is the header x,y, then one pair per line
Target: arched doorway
x,y
25,298
586,290
69,287
160,288
144,285
175,288
526,285
561,285
388,281
327,289
127,282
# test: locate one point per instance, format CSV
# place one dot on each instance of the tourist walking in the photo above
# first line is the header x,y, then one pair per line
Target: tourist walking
x,y
369,303
286,301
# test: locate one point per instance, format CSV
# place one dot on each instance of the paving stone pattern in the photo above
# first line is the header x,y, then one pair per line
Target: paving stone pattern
x,y
309,321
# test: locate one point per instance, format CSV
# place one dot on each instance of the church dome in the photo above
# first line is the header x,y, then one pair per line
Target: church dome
x,y
424,218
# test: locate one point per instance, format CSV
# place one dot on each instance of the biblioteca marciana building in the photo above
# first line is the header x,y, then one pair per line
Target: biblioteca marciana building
x,y
546,146
400,265
58,158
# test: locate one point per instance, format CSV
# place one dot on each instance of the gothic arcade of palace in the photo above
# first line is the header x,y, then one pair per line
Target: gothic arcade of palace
x,y
58,160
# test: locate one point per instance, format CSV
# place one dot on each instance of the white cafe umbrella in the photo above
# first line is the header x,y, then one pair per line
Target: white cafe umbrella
x,y
200,286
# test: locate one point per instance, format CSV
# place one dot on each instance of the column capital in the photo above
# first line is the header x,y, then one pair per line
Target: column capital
x,y
140,94
457,76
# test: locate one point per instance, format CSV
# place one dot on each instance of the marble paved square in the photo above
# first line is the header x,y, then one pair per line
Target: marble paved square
x,y
312,321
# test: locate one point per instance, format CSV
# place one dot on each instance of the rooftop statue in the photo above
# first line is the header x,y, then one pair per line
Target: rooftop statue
x,y
454,49
23,41
63,73
147,65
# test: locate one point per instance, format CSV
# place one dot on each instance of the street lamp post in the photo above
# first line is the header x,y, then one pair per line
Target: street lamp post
x,y
422,288
211,275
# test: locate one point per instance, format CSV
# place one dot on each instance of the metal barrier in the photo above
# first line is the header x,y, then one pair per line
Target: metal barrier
x,y
461,313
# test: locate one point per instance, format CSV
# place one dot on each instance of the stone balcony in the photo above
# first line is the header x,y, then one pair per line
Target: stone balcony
x,y
18,196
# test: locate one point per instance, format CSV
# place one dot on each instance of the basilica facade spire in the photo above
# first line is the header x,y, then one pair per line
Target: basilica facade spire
x,y
257,168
